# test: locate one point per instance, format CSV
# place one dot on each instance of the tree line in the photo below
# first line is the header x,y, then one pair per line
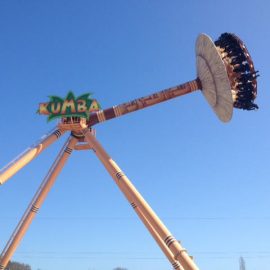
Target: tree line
x,y
18,266
12,265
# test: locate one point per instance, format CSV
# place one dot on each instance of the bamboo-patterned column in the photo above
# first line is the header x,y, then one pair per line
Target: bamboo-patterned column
x,y
29,154
36,202
144,102
134,197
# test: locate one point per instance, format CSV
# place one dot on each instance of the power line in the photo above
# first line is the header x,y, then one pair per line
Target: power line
x,y
137,258
138,255
134,218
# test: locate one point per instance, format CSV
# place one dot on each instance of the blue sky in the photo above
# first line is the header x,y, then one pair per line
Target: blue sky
x,y
208,181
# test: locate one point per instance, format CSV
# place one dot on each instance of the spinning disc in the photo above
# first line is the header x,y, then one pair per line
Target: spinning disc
x,y
212,73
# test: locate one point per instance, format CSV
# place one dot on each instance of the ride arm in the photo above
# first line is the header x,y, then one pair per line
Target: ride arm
x,y
143,102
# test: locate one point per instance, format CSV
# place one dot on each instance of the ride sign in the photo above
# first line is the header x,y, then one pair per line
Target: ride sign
x,y
81,106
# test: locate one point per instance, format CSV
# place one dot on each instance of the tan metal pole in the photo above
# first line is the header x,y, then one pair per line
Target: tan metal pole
x,y
36,202
130,192
29,154
156,236
144,102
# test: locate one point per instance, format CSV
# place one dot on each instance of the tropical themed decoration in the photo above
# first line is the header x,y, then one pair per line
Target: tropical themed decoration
x,y
70,106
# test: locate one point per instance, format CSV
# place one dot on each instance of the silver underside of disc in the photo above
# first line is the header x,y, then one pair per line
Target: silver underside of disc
x,y
215,82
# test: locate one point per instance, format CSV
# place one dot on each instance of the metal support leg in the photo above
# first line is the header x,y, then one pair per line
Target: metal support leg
x,y
36,202
156,236
179,253
29,154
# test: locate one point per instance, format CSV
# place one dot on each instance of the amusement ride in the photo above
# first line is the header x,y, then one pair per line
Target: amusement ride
x,y
225,75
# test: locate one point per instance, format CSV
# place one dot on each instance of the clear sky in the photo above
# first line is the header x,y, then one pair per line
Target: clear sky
x,y
208,181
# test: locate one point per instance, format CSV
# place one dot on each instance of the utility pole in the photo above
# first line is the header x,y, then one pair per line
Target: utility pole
x,y
242,263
